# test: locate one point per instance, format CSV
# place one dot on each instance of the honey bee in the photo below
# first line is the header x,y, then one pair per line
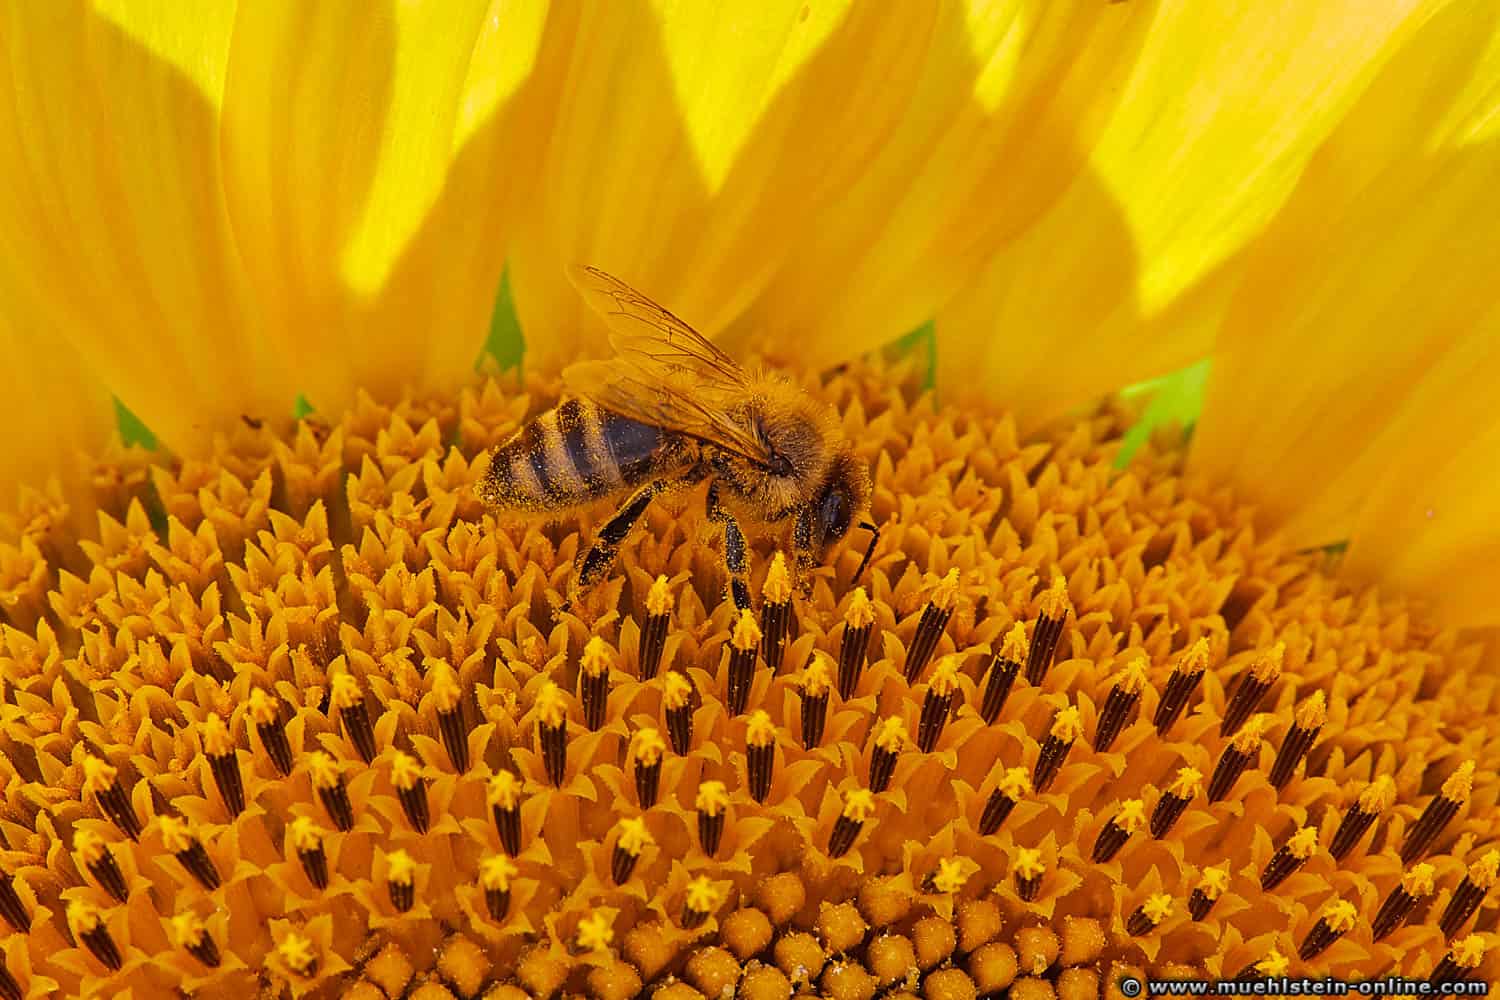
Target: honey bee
x,y
668,412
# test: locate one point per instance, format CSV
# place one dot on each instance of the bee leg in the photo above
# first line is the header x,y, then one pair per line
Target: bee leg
x,y
802,535
734,549
592,564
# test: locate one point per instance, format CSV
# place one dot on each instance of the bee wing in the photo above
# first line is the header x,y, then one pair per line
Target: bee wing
x,y
666,373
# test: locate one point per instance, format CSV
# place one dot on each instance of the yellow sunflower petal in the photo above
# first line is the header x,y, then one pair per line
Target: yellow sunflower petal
x,y
1010,100
696,144
56,409
1378,265
367,169
1127,275
1429,525
112,233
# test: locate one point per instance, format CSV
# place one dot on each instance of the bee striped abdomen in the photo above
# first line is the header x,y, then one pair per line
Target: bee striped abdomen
x,y
569,456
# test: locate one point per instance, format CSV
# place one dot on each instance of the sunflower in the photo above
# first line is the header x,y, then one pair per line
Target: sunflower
x,y
287,711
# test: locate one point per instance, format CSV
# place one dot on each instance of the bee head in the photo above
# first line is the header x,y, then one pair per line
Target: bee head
x,y
844,495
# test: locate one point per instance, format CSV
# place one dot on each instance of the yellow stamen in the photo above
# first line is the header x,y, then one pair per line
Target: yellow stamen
x,y
634,837
676,690
323,770
1213,881
1266,667
945,594
83,917
344,690
1313,712
1132,680
646,746
187,930
503,790
1469,951
596,659
1194,659
747,634
215,736
444,684
305,836
1460,784
1157,907
1014,646
713,798
1419,881
1378,796
496,872
1054,602
1014,784
778,585
595,932
400,868
98,774
1189,782
1486,871
950,875
1248,739
551,706
659,601
1028,863
1304,842
760,731
1274,964
296,951
702,895
406,771
1132,815
859,805
944,678
816,676
891,735
1068,725
1340,915
264,709
89,845
175,834
860,611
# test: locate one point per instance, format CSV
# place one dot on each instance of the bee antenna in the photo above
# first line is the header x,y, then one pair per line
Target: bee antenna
x,y
874,530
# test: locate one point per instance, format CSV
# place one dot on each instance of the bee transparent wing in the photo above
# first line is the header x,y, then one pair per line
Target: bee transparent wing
x,y
666,374
652,338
